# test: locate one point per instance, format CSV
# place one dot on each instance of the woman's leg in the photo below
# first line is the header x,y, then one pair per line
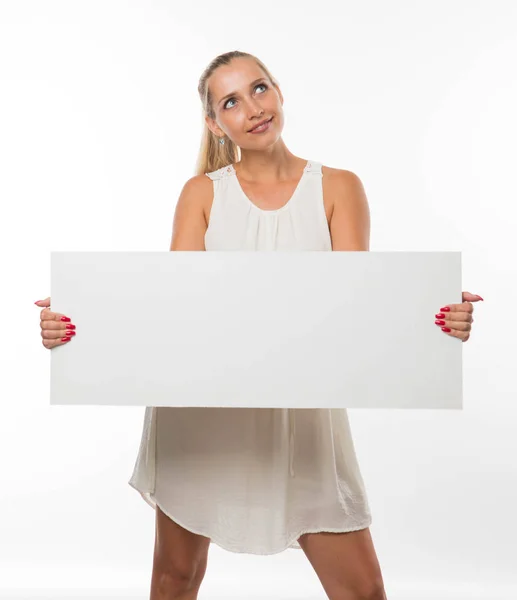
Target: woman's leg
x,y
180,560
346,564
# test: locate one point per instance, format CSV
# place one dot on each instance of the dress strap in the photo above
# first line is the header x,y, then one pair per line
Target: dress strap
x,y
313,167
220,173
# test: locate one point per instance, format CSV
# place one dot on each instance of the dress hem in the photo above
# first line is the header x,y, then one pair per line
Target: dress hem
x,y
293,544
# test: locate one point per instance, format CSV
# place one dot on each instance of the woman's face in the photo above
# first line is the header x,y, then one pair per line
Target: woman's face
x,y
242,97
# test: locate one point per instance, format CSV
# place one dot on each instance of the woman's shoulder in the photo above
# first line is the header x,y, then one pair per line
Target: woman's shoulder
x,y
339,179
337,174
198,183
197,193
340,186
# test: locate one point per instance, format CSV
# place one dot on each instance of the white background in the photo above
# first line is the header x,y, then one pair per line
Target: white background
x,y
100,128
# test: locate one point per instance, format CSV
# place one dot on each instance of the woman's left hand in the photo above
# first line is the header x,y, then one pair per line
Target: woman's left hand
x,y
456,319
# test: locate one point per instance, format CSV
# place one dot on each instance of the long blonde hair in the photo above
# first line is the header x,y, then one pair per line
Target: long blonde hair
x,y
212,154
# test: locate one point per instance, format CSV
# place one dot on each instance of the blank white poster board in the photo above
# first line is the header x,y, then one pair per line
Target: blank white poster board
x,y
267,329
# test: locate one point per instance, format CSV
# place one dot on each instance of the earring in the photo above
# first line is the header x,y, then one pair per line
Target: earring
x,y
221,140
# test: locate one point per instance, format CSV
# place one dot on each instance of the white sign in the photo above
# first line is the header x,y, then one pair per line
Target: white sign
x,y
270,329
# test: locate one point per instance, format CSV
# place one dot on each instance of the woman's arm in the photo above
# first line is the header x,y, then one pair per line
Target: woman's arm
x,y
189,224
350,221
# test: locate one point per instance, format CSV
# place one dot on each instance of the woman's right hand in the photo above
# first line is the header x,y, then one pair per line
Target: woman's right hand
x,y
56,329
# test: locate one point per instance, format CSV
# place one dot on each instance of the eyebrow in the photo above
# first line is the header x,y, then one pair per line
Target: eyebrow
x,y
234,93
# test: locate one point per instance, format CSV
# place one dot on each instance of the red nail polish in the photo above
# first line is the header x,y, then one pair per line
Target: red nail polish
x,y
69,333
446,308
445,329
65,319
73,326
440,322
65,339
438,316
480,297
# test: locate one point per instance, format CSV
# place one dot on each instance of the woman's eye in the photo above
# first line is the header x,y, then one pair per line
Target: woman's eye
x,y
231,99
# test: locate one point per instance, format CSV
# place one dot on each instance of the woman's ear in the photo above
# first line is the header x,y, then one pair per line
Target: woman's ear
x,y
212,125
279,93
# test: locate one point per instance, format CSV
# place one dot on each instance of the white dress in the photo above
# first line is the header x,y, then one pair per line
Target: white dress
x,y
254,479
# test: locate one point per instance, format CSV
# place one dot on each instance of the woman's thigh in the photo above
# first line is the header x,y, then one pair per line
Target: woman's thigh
x,y
345,563
180,556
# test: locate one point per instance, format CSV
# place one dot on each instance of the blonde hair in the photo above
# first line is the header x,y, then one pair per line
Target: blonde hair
x,y
212,154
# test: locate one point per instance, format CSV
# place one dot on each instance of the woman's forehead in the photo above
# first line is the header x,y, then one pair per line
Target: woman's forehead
x,y
235,76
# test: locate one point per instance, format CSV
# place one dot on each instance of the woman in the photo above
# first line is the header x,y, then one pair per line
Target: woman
x,y
258,480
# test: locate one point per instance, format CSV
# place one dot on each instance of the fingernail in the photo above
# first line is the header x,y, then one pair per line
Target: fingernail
x,y
65,319
65,339
445,329
480,297
446,308
37,301
440,322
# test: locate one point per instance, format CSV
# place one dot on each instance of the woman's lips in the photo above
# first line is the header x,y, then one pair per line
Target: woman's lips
x,y
262,128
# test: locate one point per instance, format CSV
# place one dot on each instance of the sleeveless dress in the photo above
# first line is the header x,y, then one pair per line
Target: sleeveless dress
x,y
254,479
